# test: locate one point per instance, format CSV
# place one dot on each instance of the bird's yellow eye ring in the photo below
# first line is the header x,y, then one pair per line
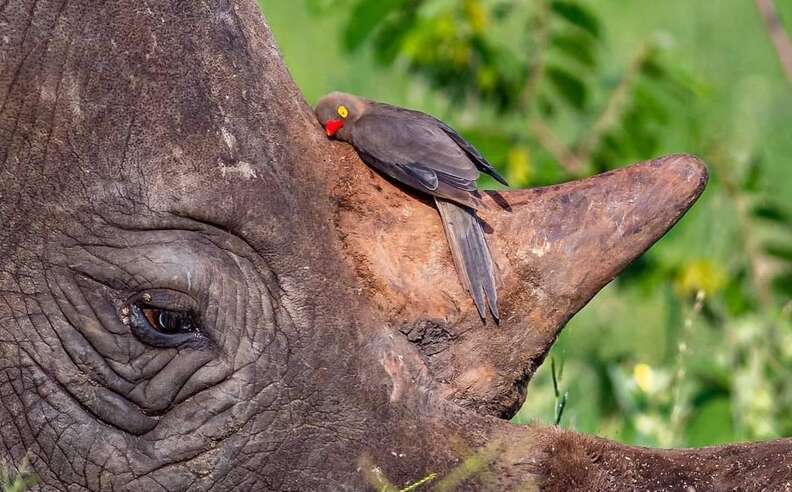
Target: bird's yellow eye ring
x,y
343,111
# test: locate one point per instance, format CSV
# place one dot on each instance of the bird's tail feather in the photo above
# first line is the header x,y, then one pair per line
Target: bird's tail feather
x,y
471,254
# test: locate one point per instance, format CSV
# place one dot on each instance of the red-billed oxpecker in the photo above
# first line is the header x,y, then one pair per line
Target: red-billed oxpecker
x,y
425,154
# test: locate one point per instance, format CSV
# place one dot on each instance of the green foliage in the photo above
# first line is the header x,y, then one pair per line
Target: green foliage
x,y
560,399
551,75
578,15
419,483
473,465
15,478
692,345
367,16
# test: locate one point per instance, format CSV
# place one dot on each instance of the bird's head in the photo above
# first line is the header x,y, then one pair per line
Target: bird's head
x,y
338,109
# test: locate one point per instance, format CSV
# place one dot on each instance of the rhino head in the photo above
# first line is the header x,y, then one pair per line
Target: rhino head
x,y
199,291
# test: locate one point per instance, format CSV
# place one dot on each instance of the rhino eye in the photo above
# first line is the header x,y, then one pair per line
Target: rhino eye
x,y
164,319
169,322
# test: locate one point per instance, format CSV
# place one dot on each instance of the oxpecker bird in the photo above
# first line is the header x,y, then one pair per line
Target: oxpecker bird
x,y
425,154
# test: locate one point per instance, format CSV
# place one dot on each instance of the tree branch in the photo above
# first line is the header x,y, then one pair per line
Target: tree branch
x,y
574,160
778,36
560,151
541,36
614,107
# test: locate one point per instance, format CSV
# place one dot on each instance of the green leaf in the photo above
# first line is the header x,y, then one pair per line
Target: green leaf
x,y
675,81
646,101
753,176
546,106
390,39
613,142
653,69
577,15
575,47
547,172
491,142
711,424
782,284
773,213
321,7
366,16
737,294
780,251
502,10
641,138
569,87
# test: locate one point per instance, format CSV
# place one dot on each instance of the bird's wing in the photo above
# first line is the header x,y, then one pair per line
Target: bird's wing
x,y
424,175
417,149
473,153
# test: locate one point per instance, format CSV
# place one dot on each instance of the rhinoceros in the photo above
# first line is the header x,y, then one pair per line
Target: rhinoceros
x,y
199,291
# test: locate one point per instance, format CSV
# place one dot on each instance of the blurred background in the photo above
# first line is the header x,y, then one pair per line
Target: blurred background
x,y
692,345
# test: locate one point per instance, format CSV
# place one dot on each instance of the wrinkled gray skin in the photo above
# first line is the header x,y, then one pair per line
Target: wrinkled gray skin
x,y
155,154
136,176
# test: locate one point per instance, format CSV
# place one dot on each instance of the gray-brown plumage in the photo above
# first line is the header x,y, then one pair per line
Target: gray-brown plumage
x,y
427,155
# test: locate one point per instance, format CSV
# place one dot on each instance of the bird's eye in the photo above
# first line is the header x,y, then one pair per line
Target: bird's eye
x,y
343,111
169,322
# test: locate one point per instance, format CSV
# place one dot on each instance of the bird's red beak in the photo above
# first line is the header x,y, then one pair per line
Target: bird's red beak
x,y
332,127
